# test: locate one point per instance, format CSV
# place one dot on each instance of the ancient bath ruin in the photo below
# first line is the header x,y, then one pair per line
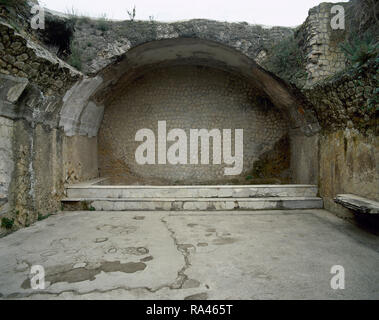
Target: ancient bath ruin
x,y
74,95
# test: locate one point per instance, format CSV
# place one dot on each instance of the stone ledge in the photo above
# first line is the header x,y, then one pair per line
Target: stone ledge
x,y
358,204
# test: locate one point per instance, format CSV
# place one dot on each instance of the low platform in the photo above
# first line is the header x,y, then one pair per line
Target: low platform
x,y
221,191
189,198
358,204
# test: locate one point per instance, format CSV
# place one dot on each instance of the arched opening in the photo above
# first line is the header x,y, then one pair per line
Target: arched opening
x,y
193,84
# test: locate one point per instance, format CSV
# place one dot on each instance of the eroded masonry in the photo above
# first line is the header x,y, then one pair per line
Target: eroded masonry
x,y
66,121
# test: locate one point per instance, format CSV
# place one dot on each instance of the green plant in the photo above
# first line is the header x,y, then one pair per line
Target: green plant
x,y
43,217
10,3
75,57
7,223
286,59
77,17
362,15
14,26
83,20
358,50
87,206
73,14
132,14
102,23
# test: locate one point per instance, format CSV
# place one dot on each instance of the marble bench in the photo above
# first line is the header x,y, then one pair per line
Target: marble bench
x,y
358,204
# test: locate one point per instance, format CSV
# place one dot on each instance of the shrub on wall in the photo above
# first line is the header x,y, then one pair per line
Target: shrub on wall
x,y
7,223
286,60
75,58
348,99
12,2
103,23
360,50
362,16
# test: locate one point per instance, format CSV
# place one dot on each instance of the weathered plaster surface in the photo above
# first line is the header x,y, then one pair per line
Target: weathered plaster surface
x,y
47,182
78,115
348,164
80,159
304,158
21,189
6,158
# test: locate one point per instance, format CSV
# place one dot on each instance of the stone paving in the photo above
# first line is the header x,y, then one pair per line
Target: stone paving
x,y
194,255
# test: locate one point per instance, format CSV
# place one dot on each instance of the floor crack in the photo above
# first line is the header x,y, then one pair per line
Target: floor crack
x,y
182,277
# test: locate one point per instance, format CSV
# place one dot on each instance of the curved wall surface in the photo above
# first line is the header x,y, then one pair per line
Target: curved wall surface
x,y
192,97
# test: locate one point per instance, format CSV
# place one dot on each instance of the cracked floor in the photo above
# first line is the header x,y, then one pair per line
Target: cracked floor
x,y
171,255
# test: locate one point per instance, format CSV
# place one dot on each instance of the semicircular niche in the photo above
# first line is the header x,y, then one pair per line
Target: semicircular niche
x,y
193,97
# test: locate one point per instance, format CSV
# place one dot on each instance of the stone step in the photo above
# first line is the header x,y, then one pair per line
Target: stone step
x,y
256,191
191,204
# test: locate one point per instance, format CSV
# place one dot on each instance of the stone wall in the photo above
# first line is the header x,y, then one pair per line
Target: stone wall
x,y
32,172
348,99
189,97
38,160
36,186
320,44
97,42
6,158
21,192
26,59
349,163
347,107
346,103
